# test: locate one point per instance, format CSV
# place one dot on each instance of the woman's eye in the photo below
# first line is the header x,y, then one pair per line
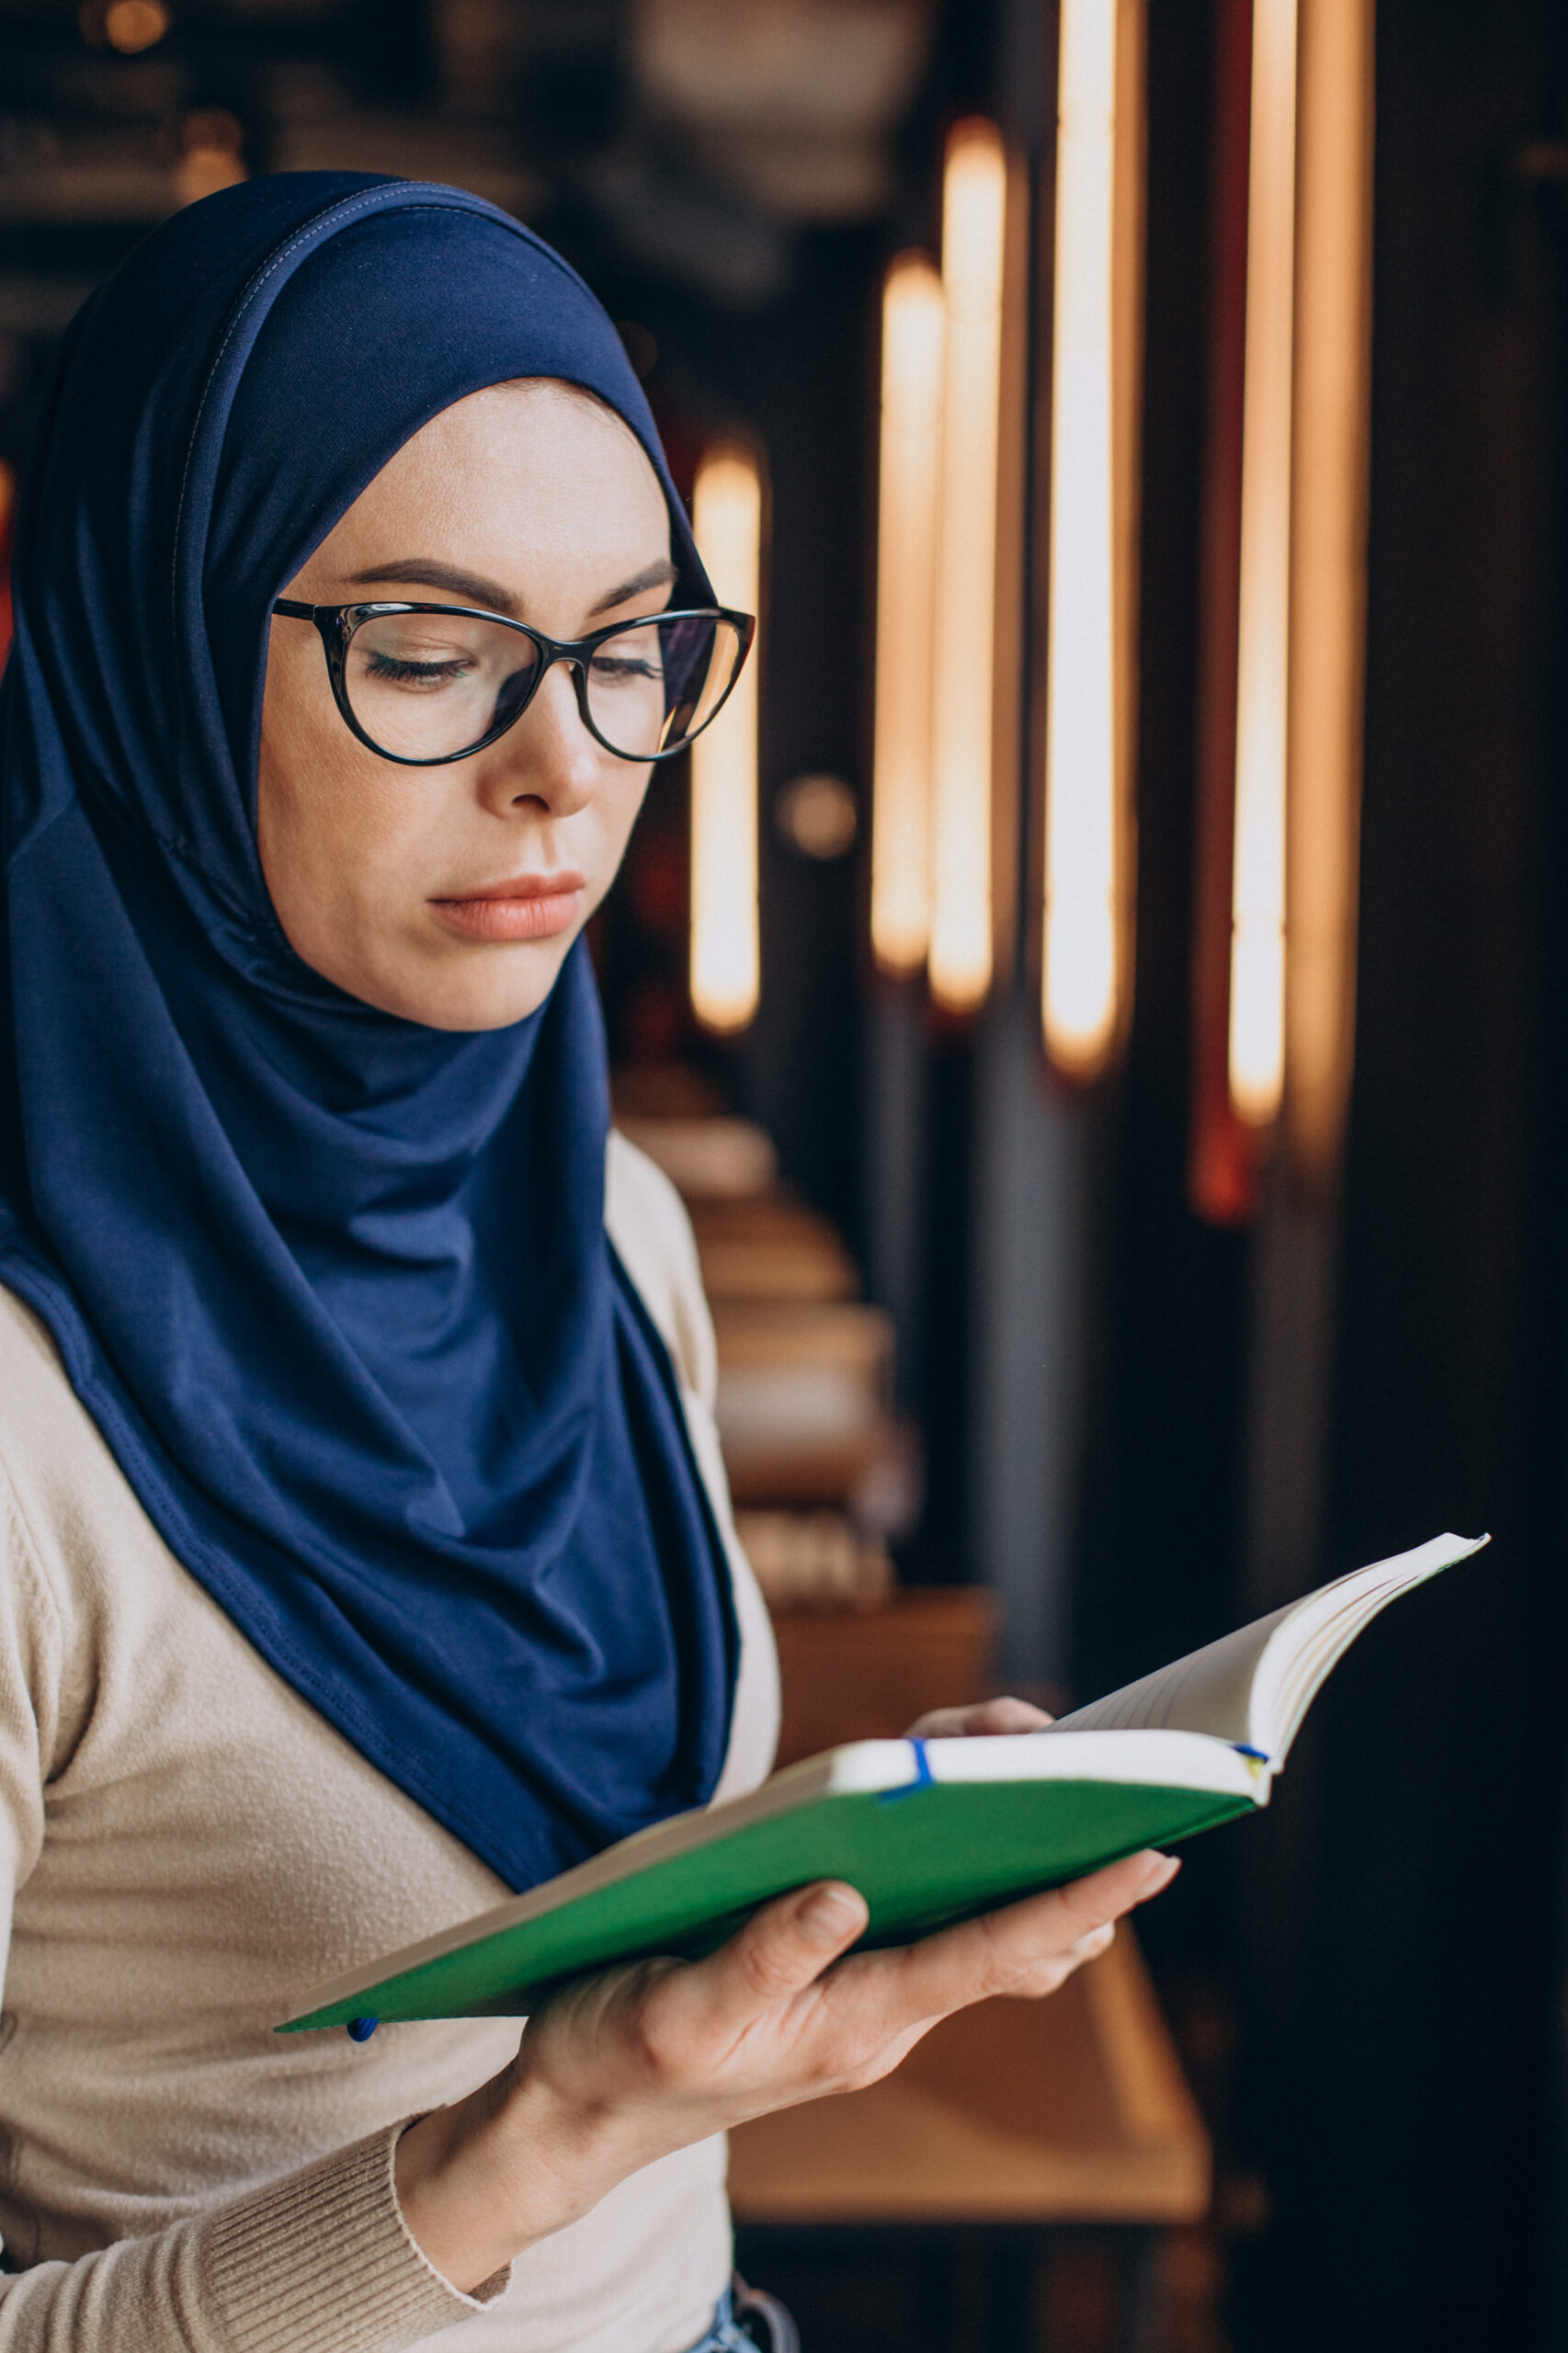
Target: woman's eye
x,y
390,669
622,670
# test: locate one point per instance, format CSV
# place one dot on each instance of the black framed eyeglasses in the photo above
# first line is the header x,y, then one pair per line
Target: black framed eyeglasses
x,y
425,684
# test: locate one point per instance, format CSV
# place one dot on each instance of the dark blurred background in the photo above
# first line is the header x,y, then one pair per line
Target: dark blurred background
x,y
1367,1987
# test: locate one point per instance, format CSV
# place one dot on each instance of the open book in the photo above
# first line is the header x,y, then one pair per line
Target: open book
x,y
929,1831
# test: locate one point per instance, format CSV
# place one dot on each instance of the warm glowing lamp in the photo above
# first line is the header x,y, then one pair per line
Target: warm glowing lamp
x,y
906,613
1090,652
212,145
1328,574
726,521
974,227
130,26
1257,1043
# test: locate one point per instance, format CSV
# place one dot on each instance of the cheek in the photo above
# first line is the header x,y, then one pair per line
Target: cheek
x,y
333,838
618,805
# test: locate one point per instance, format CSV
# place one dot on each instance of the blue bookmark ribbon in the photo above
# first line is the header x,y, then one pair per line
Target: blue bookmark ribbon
x,y
924,1777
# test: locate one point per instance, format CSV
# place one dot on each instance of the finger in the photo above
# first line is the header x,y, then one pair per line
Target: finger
x,y
781,1950
983,1717
1050,1976
1000,1953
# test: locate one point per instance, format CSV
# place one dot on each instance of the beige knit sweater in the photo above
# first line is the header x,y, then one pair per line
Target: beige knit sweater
x,y
184,1846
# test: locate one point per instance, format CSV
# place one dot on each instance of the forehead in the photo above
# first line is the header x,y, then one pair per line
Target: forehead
x,y
519,472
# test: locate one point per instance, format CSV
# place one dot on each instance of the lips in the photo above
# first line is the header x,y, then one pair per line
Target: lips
x,y
526,906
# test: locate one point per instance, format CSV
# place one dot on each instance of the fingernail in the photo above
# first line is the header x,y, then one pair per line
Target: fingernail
x,y
827,1915
1162,1869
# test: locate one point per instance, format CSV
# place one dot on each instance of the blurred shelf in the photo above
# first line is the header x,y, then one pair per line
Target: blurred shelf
x,y
132,191
815,1560
481,157
867,1678
804,1404
771,1249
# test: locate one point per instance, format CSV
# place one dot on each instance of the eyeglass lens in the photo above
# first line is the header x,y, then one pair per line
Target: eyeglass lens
x,y
431,685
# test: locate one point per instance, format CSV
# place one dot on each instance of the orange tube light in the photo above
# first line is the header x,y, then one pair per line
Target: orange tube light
x,y
726,520
908,519
1328,584
1089,650
973,221
1256,1038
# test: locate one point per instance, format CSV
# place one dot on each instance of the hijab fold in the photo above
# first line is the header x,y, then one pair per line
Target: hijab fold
x,y
334,1286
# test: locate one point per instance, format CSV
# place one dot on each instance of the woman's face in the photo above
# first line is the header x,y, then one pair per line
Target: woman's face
x,y
451,894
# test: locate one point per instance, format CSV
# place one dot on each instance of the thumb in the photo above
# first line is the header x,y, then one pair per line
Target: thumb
x,y
783,1947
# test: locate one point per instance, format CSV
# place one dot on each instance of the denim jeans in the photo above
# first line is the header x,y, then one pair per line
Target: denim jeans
x,y
769,2328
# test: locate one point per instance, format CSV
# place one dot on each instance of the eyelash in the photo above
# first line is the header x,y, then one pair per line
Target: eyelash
x,y
613,666
383,668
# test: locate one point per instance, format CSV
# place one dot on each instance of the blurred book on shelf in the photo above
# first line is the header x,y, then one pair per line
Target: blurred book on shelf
x,y
705,1160
814,1559
822,1470
670,1111
805,1406
770,1248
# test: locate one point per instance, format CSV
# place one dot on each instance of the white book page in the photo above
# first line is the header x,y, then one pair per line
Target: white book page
x,y
1253,1687
1210,1690
1303,1652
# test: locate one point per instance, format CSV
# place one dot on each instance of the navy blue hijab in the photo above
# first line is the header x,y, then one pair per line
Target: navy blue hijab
x,y
334,1286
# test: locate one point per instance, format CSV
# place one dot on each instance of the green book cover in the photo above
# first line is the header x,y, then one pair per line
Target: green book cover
x,y
929,1831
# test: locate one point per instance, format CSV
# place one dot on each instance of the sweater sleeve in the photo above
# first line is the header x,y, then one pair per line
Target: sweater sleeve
x,y
318,2262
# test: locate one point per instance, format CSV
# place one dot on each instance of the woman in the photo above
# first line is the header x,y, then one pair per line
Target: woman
x,y
367,1553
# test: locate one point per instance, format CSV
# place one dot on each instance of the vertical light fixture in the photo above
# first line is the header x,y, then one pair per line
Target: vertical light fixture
x,y
1256,1034
726,521
974,227
1090,643
1223,1160
906,591
1328,576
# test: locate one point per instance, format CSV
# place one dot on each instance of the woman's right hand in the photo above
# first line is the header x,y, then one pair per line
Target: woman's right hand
x,y
624,2067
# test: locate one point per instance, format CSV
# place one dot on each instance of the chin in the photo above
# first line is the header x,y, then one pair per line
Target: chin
x,y
469,1021
483,999
444,985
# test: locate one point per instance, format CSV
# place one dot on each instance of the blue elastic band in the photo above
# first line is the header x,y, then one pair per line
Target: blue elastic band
x,y
361,2030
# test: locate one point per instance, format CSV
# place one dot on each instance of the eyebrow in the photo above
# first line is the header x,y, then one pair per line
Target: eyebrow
x,y
653,575
425,571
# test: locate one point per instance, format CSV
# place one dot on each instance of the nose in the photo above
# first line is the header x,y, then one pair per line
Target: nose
x,y
547,761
